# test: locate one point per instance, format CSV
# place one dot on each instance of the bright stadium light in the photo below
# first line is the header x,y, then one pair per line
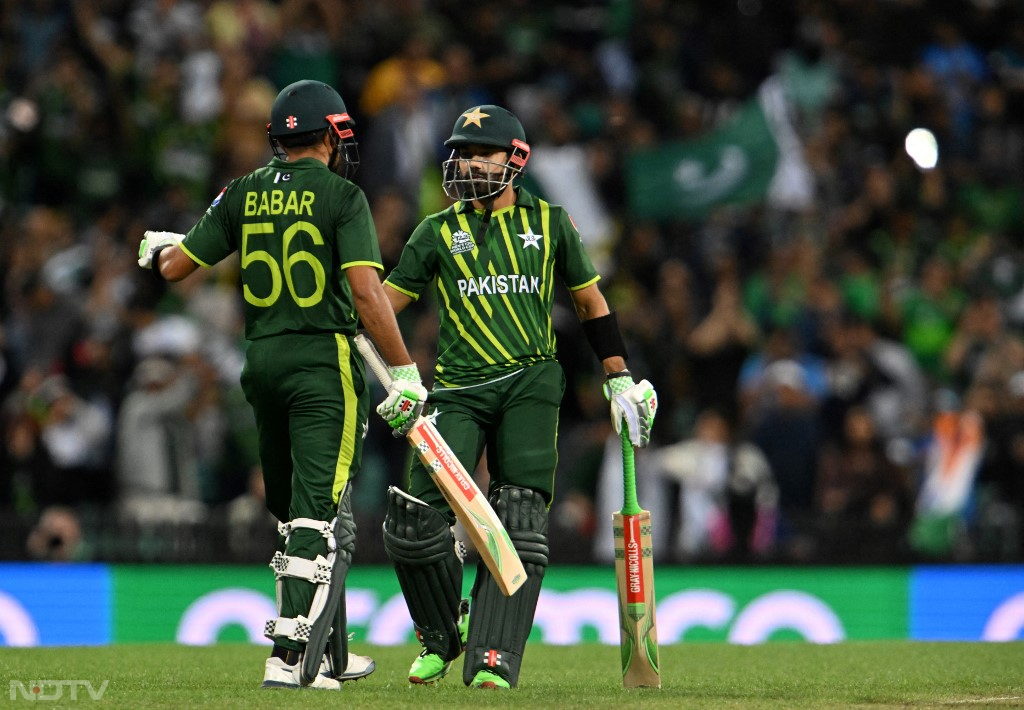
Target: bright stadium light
x,y
922,148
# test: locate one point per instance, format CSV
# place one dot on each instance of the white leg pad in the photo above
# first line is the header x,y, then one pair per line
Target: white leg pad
x,y
316,572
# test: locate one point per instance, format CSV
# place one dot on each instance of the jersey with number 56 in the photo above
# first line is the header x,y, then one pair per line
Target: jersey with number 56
x,y
297,226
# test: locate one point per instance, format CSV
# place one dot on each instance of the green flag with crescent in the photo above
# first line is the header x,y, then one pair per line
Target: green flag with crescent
x,y
734,164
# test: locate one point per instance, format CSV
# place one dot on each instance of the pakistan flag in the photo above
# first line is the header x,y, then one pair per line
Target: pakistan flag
x,y
736,163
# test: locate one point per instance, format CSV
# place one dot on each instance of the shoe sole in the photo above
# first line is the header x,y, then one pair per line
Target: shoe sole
x,y
419,680
273,685
281,685
346,677
416,680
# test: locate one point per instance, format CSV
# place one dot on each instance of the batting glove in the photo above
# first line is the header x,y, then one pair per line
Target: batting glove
x,y
634,402
152,242
406,401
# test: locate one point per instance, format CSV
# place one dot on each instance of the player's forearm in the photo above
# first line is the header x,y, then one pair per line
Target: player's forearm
x,y
613,364
174,264
376,314
589,303
378,318
396,298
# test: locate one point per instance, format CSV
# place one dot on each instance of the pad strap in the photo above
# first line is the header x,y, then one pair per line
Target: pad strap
x,y
317,571
296,629
325,528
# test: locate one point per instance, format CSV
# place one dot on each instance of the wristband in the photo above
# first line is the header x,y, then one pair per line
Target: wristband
x,y
604,336
621,373
155,263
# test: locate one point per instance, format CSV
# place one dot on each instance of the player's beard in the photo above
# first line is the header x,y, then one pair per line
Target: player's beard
x,y
484,185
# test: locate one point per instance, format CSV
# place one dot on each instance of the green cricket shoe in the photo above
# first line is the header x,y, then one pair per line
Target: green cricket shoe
x,y
430,667
489,681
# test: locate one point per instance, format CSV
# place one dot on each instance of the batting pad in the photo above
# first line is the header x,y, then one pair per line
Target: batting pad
x,y
420,545
500,625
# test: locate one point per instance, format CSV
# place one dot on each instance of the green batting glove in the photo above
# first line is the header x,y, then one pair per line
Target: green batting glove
x,y
153,242
634,402
406,400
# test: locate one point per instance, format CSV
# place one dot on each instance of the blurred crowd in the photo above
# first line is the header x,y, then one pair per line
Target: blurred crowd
x,y
841,378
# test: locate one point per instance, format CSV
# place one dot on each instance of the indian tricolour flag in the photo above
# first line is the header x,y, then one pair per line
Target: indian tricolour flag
x,y
951,465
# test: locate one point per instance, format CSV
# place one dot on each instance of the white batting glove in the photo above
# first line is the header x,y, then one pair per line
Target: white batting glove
x,y
634,402
406,401
151,241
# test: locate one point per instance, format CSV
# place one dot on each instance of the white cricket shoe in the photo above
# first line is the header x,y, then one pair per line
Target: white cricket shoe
x,y
278,674
358,667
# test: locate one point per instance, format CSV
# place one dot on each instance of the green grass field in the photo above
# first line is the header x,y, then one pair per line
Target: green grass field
x,y
697,675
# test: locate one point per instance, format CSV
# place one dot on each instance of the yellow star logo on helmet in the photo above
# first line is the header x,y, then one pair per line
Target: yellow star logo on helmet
x,y
474,116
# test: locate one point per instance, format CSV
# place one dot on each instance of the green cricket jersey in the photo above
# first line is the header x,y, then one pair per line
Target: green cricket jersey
x,y
495,283
297,227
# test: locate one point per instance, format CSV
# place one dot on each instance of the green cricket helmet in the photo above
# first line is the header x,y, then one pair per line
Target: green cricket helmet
x,y
486,126
300,114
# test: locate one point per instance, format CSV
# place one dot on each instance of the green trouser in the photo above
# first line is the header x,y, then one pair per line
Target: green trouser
x,y
311,401
515,417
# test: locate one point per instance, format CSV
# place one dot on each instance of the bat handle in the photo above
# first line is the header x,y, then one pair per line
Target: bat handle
x,y
374,360
630,505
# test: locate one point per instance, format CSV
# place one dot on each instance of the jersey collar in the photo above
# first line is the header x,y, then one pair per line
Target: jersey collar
x,y
523,199
279,164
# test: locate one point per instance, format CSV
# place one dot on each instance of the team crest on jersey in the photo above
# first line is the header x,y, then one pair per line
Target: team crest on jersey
x,y
530,239
462,242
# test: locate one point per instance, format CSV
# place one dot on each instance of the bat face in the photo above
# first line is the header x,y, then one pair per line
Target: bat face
x,y
443,462
634,573
470,506
481,523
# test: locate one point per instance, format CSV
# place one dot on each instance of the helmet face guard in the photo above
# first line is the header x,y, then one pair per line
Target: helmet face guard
x,y
472,179
345,158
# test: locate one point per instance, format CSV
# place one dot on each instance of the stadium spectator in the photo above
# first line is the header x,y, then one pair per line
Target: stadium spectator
x,y
863,498
786,429
720,344
728,497
57,537
157,466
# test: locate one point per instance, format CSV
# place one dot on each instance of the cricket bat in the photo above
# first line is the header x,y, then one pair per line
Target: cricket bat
x,y
634,576
468,503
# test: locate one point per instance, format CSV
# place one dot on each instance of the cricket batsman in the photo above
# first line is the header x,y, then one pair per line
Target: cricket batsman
x,y
493,259
310,269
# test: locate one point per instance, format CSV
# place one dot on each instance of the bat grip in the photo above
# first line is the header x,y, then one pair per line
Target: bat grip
x,y
630,506
374,360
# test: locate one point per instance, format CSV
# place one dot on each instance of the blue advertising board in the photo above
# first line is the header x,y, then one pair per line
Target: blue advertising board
x,y
967,603
55,605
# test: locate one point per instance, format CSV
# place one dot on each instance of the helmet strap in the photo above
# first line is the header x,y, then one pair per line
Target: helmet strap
x,y
482,228
335,161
